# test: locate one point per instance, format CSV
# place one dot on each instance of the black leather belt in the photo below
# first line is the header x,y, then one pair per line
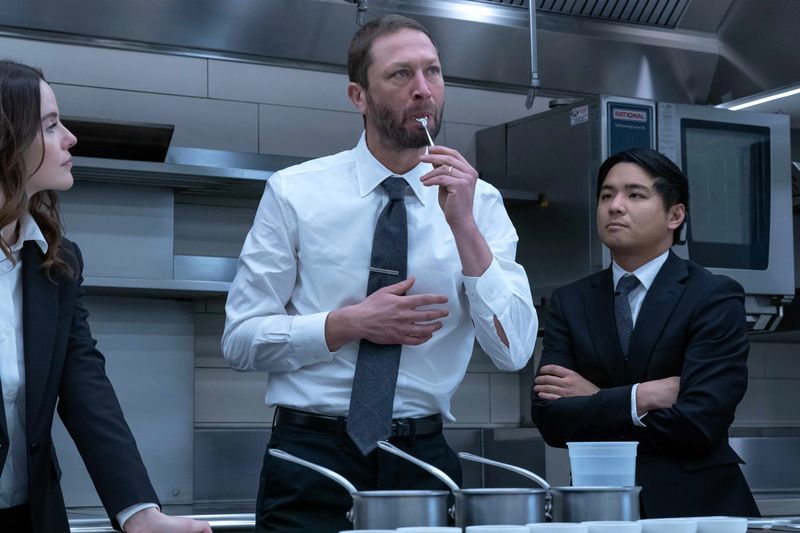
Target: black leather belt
x,y
401,427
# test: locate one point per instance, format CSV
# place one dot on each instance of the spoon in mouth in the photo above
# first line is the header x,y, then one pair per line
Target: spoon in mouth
x,y
423,121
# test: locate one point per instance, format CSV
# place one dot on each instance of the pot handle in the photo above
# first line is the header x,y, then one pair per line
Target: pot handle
x,y
521,471
338,478
386,446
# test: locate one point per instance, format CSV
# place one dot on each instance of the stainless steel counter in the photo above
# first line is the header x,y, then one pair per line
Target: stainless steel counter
x,y
218,522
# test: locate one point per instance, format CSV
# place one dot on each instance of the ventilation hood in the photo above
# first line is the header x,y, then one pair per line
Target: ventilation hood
x,y
691,51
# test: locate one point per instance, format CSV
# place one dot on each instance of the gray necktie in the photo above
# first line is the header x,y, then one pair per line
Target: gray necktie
x,y
622,310
370,417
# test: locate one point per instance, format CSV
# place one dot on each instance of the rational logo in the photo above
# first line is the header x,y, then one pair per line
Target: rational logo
x,y
630,114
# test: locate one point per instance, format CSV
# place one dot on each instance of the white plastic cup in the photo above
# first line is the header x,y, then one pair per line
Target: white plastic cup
x,y
603,464
614,526
721,524
497,529
668,525
558,527
430,529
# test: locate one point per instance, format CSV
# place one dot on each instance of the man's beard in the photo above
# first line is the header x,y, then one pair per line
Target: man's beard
x,y
394,132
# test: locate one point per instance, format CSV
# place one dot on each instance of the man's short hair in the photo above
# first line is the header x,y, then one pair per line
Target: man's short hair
x,y
358,55
670,183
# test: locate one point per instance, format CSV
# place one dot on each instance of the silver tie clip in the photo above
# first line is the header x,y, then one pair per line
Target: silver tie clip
x,y
384,271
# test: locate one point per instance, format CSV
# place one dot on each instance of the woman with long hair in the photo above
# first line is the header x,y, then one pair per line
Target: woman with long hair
x,y
47,354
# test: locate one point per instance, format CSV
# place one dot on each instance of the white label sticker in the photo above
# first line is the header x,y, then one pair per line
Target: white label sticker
x,y
579,115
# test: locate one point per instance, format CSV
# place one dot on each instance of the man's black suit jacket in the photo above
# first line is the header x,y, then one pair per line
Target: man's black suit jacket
x,y
691,324
63,367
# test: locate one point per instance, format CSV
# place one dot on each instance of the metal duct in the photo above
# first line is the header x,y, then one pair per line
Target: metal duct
x,y
585,46
662,13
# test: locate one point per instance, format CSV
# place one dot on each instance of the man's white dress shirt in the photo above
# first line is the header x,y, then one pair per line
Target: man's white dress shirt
x,y
308,253
646,274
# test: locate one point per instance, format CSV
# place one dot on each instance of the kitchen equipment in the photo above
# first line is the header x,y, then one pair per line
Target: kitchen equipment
x,y
737,163
580,504
603,464
613,503
384,509
511,506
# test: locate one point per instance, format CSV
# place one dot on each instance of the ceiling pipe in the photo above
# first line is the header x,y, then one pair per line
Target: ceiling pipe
x,y
361,10
534,85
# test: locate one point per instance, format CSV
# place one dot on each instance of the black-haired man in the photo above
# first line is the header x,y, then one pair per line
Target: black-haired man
x,y
652,349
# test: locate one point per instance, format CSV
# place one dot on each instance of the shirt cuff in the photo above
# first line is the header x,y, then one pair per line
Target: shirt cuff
x,y
308,338
637,420
128,512
488,294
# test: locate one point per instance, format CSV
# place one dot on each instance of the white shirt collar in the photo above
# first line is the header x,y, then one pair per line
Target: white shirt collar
x,y
370,172
29,231
645,273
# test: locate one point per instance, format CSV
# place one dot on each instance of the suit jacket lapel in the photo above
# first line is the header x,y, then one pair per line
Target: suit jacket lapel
x,y
657,308
39,313
599,308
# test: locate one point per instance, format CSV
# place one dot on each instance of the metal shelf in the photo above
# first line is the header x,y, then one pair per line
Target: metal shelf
x,y
190,178
155,288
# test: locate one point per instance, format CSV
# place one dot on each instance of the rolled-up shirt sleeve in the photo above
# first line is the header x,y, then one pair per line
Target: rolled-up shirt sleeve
x,y
261,331
502,291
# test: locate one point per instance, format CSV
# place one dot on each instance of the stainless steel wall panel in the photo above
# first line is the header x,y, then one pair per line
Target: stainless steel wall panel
x,y
199,122
266,84
467,440
211,230
522,447
504,398
204,268
111,69
285,130
769,402
227,464
460,137
227,397
471,403
483,107
149,360
123,231
771,463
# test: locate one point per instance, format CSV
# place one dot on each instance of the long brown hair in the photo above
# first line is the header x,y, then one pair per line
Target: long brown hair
x,y
20,124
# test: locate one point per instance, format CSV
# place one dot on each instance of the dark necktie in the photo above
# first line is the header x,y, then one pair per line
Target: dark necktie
x,y
622,310
370,417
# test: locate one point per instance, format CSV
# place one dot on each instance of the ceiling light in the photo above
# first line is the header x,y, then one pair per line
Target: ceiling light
x,y
744,103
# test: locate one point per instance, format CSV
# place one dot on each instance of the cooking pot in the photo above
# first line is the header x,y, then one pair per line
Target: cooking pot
x,y
583,504
512,506
384,509
579,504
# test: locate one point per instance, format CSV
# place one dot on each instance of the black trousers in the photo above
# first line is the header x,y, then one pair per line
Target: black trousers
x,y
16,519
292,498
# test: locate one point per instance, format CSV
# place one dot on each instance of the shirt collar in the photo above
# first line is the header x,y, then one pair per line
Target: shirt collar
x,y
370,172
29,231
645,273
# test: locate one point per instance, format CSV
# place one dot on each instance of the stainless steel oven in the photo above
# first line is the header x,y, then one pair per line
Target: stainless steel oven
x,y
739,169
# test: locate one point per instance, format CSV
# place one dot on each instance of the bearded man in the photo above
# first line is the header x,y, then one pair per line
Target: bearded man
x,y
362,286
